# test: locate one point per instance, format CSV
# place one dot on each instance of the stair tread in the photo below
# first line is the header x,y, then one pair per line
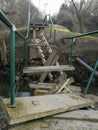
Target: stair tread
x,y
48,68
38,25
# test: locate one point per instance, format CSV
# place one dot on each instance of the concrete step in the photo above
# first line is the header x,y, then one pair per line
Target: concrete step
x,y
30,108
75,120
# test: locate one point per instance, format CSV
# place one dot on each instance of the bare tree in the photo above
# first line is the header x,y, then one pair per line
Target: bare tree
x,y
82,15
78,13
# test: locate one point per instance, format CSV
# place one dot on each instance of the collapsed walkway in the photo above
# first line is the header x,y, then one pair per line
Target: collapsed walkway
x,y
53,101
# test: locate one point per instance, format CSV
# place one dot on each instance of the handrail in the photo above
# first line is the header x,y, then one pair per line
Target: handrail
x,y
5,20
73,38
29,21
49,21
82,35
90,79
14,30
9,24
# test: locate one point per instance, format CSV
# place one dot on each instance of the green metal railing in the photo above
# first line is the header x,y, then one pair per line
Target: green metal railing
x,y
14,31
73,38
90,79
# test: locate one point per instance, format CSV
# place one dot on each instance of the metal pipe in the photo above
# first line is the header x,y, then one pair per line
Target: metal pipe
x,y
54,36
25,53
14,30
12,69
5,20
90,69
19,34
71,51
29,21
82,35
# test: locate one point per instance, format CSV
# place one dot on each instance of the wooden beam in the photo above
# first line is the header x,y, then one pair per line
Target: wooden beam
x,y
40,69
39,92
64,86
44,86
50,61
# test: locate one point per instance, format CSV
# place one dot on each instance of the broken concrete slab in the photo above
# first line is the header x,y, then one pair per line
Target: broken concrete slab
x,y
93,97
30,108
87,115
75,120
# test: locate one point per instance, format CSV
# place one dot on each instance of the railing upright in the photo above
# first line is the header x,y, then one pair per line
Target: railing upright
x,y
14,30
71,51
12,68
73,38
90,79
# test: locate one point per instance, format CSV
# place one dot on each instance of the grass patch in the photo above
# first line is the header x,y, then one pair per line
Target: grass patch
x,y
64,32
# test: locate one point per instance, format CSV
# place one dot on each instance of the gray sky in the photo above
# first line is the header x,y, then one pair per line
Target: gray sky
x,y
48,6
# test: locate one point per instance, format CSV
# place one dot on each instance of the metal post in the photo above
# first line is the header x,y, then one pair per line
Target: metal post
x,y
50,30
54,36
12,69
50,21
34,35
71,51
25,53
90,79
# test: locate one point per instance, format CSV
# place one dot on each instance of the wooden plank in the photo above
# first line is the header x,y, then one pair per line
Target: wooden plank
x,y
64,86
29,108
52,91
74,88
41,44
40,69
46,86
51,58
39,92
59,88
51,61
61,78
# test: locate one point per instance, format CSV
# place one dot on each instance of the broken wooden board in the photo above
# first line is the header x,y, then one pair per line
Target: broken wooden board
x,y
60,78
50,61
39,92
52,91
64,86
30,108
40,69
61,85
74,88
45,86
